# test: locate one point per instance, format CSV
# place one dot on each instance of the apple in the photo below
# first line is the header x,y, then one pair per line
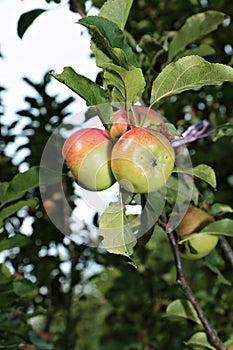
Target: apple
x,y
138,116
87,153
144,117
196,245
142,160
194,220
119,125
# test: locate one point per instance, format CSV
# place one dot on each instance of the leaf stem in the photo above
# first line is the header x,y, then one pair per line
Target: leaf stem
x,y
181,280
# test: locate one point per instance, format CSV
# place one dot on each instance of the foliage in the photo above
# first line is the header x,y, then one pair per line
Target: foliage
x,y
181,65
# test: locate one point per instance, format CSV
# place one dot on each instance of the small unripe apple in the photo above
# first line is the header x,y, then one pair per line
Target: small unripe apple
x,y
87,153
138,116
197,245
194,220
142,160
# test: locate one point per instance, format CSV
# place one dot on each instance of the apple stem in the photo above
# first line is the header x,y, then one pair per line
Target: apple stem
x,y
227,249
181,280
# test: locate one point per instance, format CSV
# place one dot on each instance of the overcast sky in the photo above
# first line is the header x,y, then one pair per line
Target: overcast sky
x,y
53,41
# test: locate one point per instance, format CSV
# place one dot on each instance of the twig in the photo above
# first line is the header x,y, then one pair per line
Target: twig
x,y
227,249
181,280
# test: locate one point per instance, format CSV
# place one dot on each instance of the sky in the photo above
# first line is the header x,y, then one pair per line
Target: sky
x,y
53,41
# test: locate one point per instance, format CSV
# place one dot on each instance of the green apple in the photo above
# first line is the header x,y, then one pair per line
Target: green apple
x,y
87,153
195,245
198,246
138,116
142,160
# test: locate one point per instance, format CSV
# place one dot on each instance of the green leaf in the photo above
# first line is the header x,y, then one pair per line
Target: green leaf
x,y
19,185
152,207
11,344
115,230
222,131
214,263
39,343
202,171
116,11
195,28
15,241
106,36
17,329
23,287
26,19
128,85
219,209
186,74
181,190
222,227
200,339
13,208
202,50
184,309
92,93
5,274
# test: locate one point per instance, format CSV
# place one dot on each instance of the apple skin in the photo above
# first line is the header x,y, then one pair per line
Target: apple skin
x,y
87,153
197,245
142,160
193,221
139,116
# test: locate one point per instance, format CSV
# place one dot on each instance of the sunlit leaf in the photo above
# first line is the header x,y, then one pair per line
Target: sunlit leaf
x,y
202,171
26,19
218,209
92,93
115,231
184,309
186,74
222,227
116,11
200,339
195,28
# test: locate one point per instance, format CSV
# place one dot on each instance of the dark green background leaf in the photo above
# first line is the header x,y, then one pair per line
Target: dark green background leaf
x,y
26,20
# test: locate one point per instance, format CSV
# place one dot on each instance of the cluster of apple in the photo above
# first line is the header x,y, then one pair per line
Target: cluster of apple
x,y
131,152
